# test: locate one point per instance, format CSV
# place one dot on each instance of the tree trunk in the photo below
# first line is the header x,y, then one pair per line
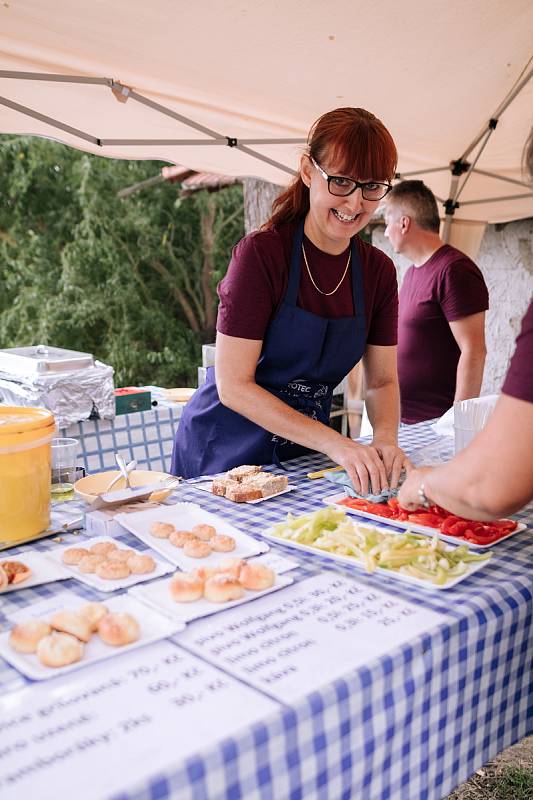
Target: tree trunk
x,y
258,199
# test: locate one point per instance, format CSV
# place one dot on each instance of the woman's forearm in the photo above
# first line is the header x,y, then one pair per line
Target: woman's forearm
x,y
272,414
383,408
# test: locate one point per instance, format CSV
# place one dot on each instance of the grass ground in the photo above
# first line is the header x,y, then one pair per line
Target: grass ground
x,y
507,777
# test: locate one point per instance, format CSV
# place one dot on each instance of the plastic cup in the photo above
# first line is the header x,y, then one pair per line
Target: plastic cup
x,y
463,437
63,468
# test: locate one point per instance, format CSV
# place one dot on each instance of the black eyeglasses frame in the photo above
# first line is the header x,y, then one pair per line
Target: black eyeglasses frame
x,y
356,184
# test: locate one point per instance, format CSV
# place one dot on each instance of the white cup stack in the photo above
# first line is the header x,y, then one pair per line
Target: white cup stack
x,y
470,417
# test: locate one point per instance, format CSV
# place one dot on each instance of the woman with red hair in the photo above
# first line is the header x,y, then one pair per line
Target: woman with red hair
x,y
303,301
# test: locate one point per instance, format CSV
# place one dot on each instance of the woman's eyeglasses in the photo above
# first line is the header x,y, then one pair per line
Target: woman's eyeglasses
x,y
342,187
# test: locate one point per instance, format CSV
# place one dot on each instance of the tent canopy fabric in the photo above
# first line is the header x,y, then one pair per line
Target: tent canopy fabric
x,y
205,84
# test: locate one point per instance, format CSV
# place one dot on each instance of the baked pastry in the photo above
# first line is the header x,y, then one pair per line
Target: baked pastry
x,y
197,549
59,649
90,562
223,587
180,538
218,486
72,622
120,554
140,564
118,629
242,473
268,483
25,637
73,555
113,570
230,565
103,548
4,582
256,577
93,613
204,532
222,543
16,571
161,530
203,573
243,493
185,588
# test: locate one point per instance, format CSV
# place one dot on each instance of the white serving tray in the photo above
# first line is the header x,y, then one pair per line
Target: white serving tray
x,y
184,516
103,585
157,595
333,500
43,566
472,568
205,486
154,626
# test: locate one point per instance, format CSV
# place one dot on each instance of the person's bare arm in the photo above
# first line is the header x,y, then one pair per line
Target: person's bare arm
x,y
235,367
492,477
469,333
383,406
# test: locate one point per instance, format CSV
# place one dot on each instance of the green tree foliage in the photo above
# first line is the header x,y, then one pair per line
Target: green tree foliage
x,y
131,280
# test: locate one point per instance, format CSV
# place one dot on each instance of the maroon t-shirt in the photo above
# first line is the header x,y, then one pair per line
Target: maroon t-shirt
x,y
519,380
256,282
446,288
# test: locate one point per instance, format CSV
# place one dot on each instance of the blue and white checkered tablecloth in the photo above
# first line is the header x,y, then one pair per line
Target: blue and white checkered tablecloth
x,y
410,726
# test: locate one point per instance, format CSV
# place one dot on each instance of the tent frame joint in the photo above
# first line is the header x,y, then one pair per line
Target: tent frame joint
x,y
232,141
459,167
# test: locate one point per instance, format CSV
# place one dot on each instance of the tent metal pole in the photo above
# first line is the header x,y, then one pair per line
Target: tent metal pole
x,y
401,175
50,76
496,199
497,114
500,178
471,166
266,159
49,120
449,205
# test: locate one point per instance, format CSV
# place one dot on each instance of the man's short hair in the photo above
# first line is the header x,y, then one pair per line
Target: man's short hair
x,y
418,202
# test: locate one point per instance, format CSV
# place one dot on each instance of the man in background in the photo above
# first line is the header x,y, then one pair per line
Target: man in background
x,y
443,299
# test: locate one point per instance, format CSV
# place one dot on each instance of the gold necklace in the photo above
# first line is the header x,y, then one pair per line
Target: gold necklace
x,y
327,294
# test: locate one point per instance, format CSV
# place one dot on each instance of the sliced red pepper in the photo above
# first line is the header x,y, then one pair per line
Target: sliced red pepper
x,y
506,525
486,535
422,518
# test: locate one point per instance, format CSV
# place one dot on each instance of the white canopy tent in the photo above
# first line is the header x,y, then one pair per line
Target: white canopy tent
x,y
232,87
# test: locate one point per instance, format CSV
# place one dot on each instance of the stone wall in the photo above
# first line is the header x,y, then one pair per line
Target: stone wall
x,y
506,260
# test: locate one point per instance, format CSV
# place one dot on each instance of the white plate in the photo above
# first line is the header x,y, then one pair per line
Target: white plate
x,y
154,626
205,486
157,596
184,516
473,567
43,567
333,500
103,585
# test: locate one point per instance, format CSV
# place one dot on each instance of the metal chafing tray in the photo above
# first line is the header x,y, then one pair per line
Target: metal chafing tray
x,y
42,359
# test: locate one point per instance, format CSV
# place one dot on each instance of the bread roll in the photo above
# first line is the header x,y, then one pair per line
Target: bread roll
x,y
120,554
73,555
256,577
103,548
25,637
204,532
72,622
222,543
93,613
161,530
141,564
197,549
113,570
222,588
180,538
118,629
185,588
90,562
59,649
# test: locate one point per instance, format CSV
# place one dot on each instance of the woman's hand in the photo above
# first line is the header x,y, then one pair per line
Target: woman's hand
x,y
365,466
408,496
394,460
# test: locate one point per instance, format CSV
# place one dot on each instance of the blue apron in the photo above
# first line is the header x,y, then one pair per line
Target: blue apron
x,y
304,357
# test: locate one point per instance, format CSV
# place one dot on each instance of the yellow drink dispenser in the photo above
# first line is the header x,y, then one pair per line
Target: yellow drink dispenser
x,y
25,473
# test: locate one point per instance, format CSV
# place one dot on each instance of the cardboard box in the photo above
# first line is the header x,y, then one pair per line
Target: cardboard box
x,y
129,400
102,523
